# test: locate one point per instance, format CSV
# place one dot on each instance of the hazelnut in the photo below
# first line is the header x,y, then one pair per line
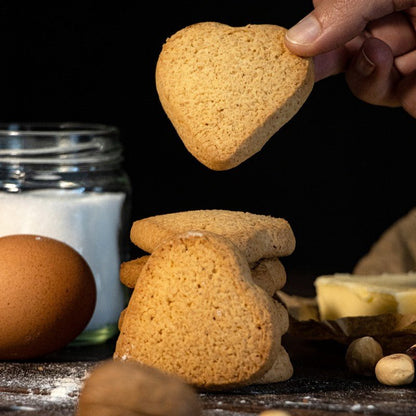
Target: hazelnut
x,y
274,412
362,356
395,370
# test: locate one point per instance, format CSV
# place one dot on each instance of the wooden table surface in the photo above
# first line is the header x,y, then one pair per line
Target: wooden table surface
x,y
321,386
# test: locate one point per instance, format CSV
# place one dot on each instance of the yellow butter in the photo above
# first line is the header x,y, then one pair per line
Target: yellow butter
x,y
345,295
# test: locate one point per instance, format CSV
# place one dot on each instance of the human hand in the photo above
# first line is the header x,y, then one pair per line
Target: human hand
x,y
372,41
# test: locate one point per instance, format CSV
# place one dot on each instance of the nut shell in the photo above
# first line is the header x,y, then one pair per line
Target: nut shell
x,y
123,388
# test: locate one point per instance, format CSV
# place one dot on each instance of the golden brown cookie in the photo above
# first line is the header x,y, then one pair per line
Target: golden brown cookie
x,y
196,313
130,271
257,236
228,90
281,370
269,274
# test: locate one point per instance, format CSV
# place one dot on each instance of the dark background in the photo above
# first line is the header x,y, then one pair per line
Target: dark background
x,y
341,171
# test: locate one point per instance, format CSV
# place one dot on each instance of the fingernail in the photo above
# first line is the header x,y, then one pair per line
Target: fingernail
x,y
304,32
364,65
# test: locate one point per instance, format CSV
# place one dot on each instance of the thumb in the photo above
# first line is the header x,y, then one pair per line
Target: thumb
x,y
334,22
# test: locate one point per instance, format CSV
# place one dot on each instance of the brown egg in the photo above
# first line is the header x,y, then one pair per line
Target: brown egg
x,y
47,298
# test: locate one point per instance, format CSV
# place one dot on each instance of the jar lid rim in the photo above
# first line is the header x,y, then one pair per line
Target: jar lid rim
x,y
55,129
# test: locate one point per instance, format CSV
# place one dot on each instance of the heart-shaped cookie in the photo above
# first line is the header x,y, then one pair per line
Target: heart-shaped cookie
x,y
257,236
228,90
196,313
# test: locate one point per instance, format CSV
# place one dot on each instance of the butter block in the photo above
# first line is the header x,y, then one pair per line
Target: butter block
x,y
345,295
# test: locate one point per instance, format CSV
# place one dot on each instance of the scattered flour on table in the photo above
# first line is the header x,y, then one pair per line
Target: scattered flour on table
x,y
47,383
66,388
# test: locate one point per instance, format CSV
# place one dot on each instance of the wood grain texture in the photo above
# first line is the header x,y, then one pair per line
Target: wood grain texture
x,y
320,386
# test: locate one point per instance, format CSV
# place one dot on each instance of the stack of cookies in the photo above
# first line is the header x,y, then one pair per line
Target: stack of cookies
x,y
202,306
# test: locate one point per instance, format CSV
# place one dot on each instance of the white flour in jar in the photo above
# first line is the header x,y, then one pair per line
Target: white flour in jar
x,y
87,221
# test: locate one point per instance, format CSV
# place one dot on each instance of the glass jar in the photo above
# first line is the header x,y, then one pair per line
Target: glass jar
x,y
65,181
